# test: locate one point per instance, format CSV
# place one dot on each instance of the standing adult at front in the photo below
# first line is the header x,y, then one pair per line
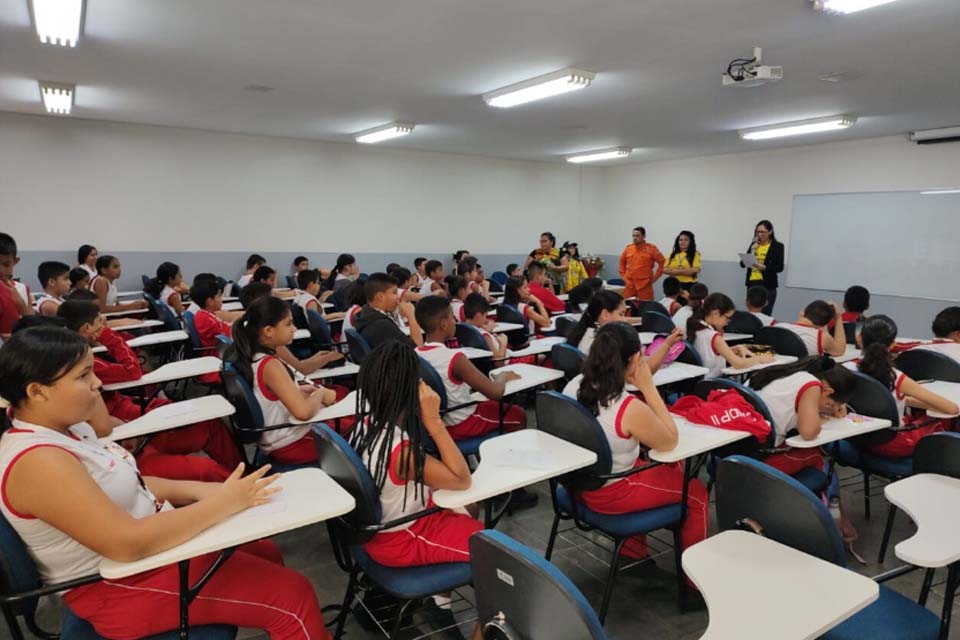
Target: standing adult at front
x,y
553,260
684,262
769,253
636,266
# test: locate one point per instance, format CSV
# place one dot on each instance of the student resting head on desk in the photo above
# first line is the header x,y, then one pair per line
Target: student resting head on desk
x,y
879,334
946,329
75,499
167,286
810,327
705,330
801,397
615,360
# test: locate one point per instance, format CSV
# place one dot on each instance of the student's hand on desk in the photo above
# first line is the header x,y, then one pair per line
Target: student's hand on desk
x,y
334,356
239,493
506,376
136,304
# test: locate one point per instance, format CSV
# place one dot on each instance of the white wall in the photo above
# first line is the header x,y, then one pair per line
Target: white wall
x,y
132,188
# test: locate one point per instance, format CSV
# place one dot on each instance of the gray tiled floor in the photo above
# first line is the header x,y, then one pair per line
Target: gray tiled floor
x,y
644,602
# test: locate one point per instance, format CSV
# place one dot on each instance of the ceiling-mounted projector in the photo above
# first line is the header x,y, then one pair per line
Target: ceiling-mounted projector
x,y
748,72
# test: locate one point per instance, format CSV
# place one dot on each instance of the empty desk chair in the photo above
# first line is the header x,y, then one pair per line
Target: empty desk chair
x,y
923,364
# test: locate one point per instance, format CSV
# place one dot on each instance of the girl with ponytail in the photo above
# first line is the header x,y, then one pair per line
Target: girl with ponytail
x,y
616,360
705,330
878,335
343,273
265,326
695,297
167,286
605,306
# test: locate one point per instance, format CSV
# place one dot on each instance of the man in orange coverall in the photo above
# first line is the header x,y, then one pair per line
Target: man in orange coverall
x,y
636,266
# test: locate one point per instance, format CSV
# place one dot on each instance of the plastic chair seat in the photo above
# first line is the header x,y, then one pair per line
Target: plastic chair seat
x,y
891,617
850,456
621,524
471,446
409,583
813,479
74,628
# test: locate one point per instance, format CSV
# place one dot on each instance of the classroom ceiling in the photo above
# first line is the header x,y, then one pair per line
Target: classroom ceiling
x,y
335,68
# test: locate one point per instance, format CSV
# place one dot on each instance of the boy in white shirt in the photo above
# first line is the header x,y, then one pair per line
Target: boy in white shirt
x,y
756,301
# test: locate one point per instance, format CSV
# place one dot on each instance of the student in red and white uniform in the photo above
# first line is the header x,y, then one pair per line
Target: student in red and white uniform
x,y
55,279
605,306
705,329
74,500
356,298
168,453
672,300
811,329
435,276
420,271
407,283
207,297
542,287
458,289
12,306
756,302
801,397
615,360
254,262
168,286
87,259
104,287
517,294
390,441
470,270
461,378
267,325
879,334
695,297
476,311
946,329
308,295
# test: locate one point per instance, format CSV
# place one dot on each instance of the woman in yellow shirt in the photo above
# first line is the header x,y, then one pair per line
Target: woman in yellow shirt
x,y
684,261
576,272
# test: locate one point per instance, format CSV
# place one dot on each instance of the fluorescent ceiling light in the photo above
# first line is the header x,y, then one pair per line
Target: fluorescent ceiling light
x,y
847,6
947,134
58,21
797,128
57,98
939,192
598,156
551,84
386,132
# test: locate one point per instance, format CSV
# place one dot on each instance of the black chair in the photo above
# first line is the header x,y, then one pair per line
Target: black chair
x,y
358,345
520,595
291,282
565,325
567,358
469,336
616,282
21,590
656,322
567,419
641,307
518,338
191,329
689,355
850,330
744,322
499,277
783,341
495,287
146,280
752,495
924,364
349,533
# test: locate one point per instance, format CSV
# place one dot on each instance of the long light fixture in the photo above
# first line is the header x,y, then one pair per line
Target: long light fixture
x,y
58,21
798,128
939,192
847,6
616,153
385,132
545,86
57,97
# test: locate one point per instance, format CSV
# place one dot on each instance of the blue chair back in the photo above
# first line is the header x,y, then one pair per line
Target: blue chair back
x,y
191,329
618,282
788,512
871,398
339,461
145,280
565,326
644,306
319,329
222,343
690,355
744,322
469,336
291,282
495,287
783,341
430,375
18,573
525,595
358,345
656,322
248,420
938,453
519,338
568,359
567,419
499,277
164,313
923,364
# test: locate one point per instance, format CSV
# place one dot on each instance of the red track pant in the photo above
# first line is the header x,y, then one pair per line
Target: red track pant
x,y
793,461
486,418
443,536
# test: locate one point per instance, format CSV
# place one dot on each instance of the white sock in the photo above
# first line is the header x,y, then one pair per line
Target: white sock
x,y
442,601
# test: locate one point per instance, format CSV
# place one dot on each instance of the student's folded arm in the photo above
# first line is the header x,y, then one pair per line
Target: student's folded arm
x,y
450,471
920,397
808,413
655,431
126,365
278,381
474,378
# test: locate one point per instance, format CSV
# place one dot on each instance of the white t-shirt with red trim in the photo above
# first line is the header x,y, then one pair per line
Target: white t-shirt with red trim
x,y
767,321
397,498
782,398
949,349
166,294
671,305
525,310
442,359
624,448
587,340
350,316
706,345
457,306
680,318
812,337
112,293
58,556
274,411
45,299
303,300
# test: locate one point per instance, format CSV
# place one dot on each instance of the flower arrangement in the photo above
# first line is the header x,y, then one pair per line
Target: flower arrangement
x,y
593,264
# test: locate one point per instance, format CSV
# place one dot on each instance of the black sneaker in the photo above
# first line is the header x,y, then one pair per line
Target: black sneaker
x,y
522,499
437,622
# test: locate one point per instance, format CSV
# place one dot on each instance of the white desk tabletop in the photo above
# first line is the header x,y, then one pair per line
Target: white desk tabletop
x,y
129,294
678,372
537,347
516,460
297,505
229,298
232,306
301,334
949,390
736,337
563,296
473,353
173,415
553,319
696,439
614,287
172,371
647,337
777,359
343,409
144,324
151,339
530,376
503,327
753,585
852,353
127,312
344,369
838,429
925,497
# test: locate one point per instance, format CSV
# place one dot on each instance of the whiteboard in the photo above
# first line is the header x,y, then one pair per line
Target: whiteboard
x,y
894,243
